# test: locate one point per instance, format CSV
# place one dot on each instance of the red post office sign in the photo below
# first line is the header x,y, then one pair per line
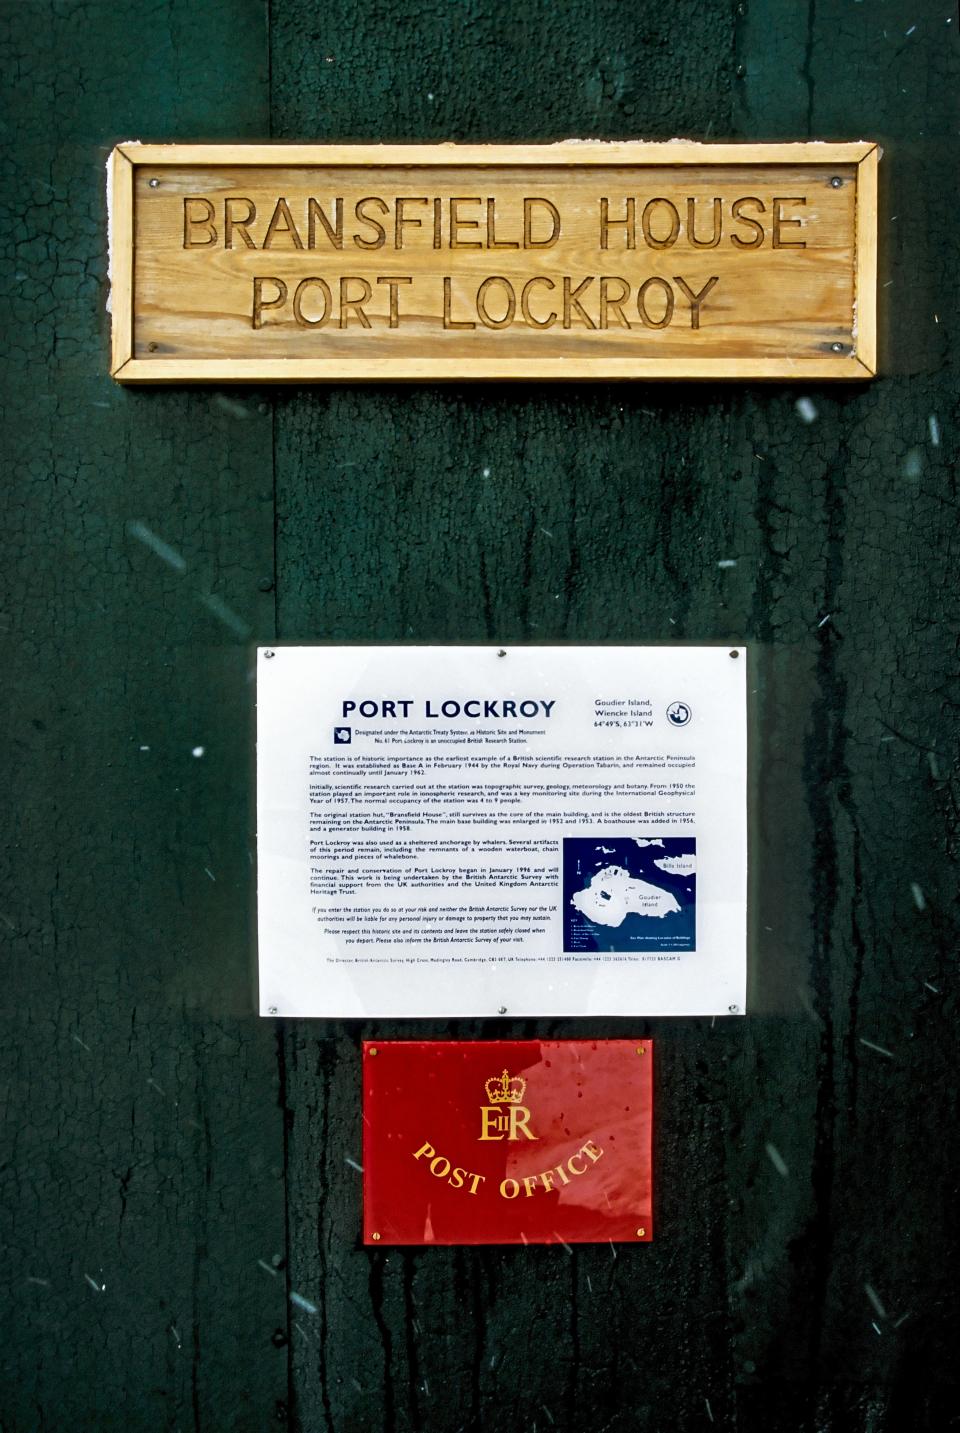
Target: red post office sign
x,y
507,1142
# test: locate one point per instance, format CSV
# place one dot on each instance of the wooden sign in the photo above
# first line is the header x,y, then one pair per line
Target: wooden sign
x,y
507,1141
577,260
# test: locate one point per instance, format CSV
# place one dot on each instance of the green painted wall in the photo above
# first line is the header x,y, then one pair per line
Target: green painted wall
x,y
174,1167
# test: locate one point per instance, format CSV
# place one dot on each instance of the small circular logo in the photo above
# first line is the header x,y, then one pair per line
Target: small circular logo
x,y
678,713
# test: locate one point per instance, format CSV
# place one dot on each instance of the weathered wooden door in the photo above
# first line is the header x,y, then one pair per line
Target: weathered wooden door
x,y
181,1185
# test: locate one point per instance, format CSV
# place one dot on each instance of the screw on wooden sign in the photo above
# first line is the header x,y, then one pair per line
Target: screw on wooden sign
x,y
576,260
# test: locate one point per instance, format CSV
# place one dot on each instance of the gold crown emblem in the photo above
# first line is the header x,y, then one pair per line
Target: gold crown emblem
x,y
502,1090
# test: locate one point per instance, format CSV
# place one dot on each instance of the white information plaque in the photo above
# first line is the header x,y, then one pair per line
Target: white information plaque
x,y
448,831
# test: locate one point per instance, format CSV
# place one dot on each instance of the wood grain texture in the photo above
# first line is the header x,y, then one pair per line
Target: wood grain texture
x,y
446,262
560,154
562,513
121,238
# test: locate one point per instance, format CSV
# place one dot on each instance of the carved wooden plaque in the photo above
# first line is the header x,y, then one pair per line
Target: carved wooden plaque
x,y
570,261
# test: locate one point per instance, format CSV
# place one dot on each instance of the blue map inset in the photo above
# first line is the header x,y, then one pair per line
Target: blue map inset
x,y
629,893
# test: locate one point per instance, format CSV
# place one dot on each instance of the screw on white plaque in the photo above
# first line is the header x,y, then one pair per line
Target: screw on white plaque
x,y
268,654
272,1010
734,1009
501,653
502,1010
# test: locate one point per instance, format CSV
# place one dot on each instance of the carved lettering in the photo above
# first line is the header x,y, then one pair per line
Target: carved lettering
x,y
539,296
347,303
695,300
509,298
470,222
629,222
360,212
736,210
610,301
401,218
449,322
552,212
713,241
282,217
393,283
781,222
192,221
457,223
648,319
669,212
231,222
492,241
324,289
528,317
571,301
334,231
260,303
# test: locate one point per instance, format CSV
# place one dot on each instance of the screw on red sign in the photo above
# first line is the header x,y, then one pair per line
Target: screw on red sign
x,y
507,1141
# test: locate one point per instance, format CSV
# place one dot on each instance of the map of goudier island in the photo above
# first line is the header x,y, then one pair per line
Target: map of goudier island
x,y
614,894
635,894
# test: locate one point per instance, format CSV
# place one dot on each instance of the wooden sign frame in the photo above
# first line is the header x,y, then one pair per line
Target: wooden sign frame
x,y
853,359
